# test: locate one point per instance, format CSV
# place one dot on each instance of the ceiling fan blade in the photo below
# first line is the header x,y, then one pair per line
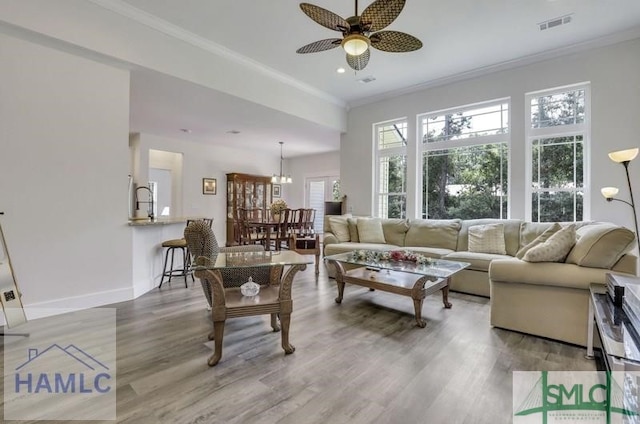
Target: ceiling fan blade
x,y
394,41
359,62
381,13
320,46
324,17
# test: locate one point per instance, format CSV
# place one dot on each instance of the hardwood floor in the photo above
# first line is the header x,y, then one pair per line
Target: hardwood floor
x,y
363,361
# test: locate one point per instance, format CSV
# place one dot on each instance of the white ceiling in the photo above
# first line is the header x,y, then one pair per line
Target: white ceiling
x,y
461,38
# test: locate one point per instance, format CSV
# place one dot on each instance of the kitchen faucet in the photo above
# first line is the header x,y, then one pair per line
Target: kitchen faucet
x,y
150,201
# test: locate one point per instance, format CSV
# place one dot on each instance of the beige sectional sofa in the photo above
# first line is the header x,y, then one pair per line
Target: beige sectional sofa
x,y
548,299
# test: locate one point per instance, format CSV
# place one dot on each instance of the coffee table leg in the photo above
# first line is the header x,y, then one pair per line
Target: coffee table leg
x,y
218,329
285,320
417,305
445,296
340,290
339,281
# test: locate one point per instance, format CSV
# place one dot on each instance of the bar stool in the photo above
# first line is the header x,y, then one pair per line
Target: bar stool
x,y
172,247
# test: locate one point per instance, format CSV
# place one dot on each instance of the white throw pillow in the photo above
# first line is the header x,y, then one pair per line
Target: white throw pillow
x,y
340,227
555,249
370,230
539,240
487,238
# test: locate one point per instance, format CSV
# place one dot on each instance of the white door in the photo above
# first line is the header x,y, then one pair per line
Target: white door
x,y
318,190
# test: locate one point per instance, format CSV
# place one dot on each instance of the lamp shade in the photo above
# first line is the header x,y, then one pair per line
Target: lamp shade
x,y
609,192
355,44
624,155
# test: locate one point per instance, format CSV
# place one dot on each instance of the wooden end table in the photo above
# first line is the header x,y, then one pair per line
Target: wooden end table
x,y
307,245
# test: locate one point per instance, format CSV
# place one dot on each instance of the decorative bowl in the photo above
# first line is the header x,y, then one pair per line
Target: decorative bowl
x,y
250,288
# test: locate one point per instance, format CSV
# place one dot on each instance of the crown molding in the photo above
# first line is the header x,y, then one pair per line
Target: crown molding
x,y
167,28
503,66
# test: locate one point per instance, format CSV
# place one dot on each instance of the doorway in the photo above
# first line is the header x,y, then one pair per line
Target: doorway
x,y
317,191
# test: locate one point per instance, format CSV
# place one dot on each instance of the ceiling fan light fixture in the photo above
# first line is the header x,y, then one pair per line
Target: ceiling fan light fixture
x,y
355,44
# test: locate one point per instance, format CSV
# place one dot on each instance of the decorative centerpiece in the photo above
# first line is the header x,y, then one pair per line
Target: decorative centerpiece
x,y
250,288
277,208
390,255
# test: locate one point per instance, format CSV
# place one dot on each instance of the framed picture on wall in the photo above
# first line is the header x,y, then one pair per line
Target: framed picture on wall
x,y
209,186
276,190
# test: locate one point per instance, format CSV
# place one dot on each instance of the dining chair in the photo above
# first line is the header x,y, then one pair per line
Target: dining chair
x,y
308,216
281,237
222,288
248,233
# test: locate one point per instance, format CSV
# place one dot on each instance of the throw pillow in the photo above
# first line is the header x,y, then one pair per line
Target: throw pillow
x,y
353,229
340,227
370,230
538,240
487,238
555,249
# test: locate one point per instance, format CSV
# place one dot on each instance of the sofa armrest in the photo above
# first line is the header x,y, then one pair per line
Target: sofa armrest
x,y
329,238
628,264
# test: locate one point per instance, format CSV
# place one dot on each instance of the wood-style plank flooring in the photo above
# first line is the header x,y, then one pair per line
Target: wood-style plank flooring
x,y
363,361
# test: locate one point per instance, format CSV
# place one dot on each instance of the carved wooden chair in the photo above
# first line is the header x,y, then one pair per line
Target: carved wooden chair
x,y
222,287
248,234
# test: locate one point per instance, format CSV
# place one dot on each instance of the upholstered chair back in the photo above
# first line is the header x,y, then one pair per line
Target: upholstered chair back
x,y
201,240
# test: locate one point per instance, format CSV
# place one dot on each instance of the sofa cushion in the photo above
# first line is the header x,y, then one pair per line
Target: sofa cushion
x,y
516,271
554,228
511,233
353,229
488,238
333,249
431,252
340,227
555,249
395,230
370,230
478,261
441,233
530,230
600,245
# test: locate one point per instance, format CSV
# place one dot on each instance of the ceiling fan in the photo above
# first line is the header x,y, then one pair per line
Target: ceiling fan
x,y
360,32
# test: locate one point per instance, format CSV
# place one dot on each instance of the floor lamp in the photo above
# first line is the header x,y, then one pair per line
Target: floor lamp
x,y
10,296
624,157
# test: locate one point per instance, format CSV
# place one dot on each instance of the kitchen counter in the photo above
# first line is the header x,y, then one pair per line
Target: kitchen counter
x,y
147,237
161,221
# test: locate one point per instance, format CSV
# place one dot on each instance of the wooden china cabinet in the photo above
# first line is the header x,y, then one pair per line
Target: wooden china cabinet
x,y
249,192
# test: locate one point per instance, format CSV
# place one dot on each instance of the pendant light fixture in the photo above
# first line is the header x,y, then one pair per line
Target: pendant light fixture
x,y
281,179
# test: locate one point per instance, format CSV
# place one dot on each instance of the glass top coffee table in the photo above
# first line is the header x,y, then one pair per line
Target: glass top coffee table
x,y
414,275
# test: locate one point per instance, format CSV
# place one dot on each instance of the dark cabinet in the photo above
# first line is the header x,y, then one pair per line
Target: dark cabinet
x,y
249,192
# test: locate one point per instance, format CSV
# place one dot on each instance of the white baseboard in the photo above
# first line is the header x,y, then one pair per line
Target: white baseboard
x,y
75,303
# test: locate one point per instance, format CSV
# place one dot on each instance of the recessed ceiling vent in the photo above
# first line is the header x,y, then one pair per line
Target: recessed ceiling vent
x,y
555,22
367,80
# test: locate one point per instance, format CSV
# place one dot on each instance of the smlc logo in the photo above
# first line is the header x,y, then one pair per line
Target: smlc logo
x,y
59,370
578,399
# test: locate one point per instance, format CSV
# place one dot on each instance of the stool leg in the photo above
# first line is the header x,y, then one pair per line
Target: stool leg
x,y
173,253
185,266
164,267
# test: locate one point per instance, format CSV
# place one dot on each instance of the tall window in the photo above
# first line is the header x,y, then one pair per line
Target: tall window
x,y
557,132
465,161
391,169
